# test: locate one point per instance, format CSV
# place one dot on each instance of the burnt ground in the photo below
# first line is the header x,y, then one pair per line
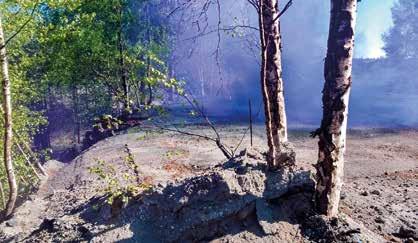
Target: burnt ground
x,y
381,175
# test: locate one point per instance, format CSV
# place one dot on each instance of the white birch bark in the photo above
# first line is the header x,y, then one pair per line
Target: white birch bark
x,y
336,93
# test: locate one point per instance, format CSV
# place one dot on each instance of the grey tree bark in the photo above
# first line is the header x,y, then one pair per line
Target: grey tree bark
x,y
272,82
8,132
336,92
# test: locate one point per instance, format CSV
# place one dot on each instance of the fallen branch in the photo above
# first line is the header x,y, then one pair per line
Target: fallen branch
x,y
225,151
228,154
31,153
28,162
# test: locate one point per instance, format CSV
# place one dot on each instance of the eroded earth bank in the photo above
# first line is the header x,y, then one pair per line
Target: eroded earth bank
x,y
194,195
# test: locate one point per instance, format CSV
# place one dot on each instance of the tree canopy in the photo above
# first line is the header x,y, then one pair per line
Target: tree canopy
x,y
95,57
402,40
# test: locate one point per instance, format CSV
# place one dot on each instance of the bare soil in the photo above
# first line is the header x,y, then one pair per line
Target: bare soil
x,y
380,192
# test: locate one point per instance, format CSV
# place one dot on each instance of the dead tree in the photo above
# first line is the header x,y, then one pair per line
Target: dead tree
x,y
272,81
8,132
227,152
336,92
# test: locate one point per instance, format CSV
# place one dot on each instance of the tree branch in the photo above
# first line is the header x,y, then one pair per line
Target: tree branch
x,y
21,27
227,28
288,5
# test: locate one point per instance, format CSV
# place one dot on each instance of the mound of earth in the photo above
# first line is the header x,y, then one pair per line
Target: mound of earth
x,y
197,196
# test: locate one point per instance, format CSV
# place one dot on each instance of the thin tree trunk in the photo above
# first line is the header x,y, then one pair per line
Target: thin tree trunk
x,y
3,200
151,97
332,134
77,138
142,95
272,82
48,103
8,132
170,75
149,37
123,74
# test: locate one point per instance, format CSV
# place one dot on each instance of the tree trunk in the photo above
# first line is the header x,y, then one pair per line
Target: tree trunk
x,y
8,132
272,82
42,140
336,92
170,75
76,111
3,201
151,96
123,74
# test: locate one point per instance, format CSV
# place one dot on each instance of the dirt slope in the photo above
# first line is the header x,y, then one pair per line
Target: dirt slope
x,y
381,189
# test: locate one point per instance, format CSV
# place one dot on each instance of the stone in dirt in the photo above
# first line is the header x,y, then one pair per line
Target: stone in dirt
x,y
406,233
375,192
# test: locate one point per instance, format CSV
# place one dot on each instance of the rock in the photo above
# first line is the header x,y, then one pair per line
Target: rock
x,y
375,192
379,220
253,153
343,195
364,193
334,222
48,225
85,232
12,222
288,154
404,233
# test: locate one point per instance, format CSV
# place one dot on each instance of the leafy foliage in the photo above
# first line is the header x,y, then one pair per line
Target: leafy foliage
x,y
402,40
125,187
94,56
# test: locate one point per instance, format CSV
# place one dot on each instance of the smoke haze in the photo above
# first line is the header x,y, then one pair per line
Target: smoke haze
x,y
374,101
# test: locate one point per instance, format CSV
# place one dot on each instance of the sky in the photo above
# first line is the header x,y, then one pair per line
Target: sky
x,y
374,19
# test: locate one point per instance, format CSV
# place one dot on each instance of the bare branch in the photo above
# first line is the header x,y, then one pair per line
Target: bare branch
x,y
288,5
227,28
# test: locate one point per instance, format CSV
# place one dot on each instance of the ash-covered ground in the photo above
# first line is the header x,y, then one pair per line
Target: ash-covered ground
x,y
380,192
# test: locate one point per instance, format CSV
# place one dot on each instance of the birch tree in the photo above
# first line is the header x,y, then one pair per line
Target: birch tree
x,y
8,132
272,82
279,154
336,92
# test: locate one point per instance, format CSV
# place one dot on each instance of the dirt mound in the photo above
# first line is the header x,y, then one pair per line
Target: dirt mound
x,y
199,197
234,202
